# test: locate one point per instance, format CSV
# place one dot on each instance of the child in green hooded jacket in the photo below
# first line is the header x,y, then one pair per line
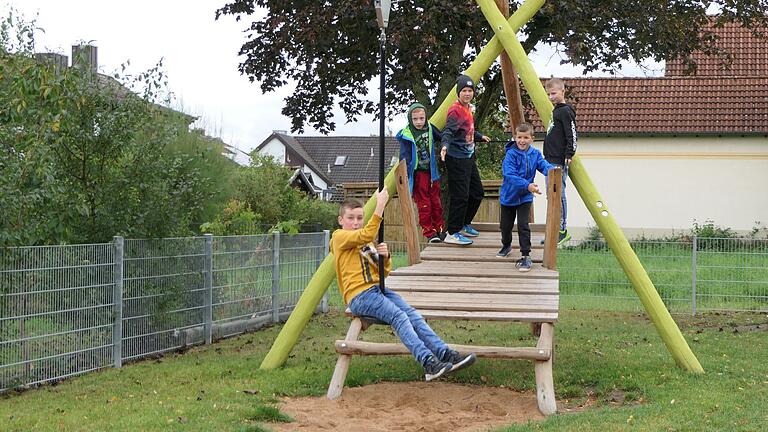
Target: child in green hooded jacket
x,y
418,149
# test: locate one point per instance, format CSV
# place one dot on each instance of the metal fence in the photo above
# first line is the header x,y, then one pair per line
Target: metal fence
x,y
67,310
700,274
693,275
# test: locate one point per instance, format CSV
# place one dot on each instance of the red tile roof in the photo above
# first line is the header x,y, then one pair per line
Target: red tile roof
x,y
749,55
669,105
715,101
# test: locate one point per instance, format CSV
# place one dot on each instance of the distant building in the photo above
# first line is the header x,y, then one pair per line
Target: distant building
x,y
665,151
329,162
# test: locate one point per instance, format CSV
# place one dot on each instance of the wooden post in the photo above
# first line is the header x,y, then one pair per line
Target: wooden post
x,y
409,217
342,364
509,77
545,388
554,209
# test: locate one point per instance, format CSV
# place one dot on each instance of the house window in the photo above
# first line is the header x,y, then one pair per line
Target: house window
x,y
340,161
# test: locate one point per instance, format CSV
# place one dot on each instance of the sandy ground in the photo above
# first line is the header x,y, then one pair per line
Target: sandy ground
x,y
416,406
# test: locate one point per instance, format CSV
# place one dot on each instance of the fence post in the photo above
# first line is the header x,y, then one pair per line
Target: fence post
x,y
693,275
208,293
276,277
326,241
117,300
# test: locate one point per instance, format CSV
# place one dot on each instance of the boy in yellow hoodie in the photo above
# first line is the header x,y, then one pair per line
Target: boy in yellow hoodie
x,y
357,272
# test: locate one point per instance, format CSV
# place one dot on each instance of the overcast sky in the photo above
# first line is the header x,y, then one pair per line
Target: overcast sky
x,y
200,58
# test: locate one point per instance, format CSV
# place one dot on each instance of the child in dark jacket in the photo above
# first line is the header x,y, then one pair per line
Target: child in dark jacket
x,y
560,142
419,150
517,188
458,152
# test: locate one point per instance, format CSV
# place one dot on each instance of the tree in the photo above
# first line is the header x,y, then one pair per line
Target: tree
x,y
329,49
83,158
264,200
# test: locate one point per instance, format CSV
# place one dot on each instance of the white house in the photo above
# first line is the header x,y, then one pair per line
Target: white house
x,y
665,152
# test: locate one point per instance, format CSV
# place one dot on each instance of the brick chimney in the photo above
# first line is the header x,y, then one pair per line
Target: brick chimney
x,y
59,61
85,57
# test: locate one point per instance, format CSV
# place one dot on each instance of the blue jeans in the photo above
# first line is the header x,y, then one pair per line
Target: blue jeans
x,y
409,325
563,200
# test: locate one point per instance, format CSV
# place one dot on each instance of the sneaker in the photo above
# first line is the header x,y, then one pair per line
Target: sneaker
x,y
563,238
458,239
435,368
442,235
434,238
469,231
504,251
459,361
524,264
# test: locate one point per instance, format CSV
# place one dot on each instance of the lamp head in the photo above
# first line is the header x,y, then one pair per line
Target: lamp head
x,y
382,12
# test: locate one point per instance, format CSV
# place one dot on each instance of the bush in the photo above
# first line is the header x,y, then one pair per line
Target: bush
x,y
709,230
264,201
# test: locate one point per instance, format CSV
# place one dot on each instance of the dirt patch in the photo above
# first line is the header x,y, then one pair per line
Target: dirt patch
x,y
416,406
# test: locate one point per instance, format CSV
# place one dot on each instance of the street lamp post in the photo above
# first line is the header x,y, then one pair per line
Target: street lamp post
x,y
382,16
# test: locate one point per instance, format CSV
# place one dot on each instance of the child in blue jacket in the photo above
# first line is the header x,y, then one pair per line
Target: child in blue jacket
x,y
418,148
517,188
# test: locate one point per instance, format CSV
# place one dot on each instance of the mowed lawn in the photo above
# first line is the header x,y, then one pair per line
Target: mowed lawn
x,y
613,359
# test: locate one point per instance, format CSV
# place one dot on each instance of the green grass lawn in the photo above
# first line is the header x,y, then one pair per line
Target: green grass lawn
x,y
220,387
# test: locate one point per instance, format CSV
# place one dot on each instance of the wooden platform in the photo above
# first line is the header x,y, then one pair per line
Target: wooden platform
x,y
471,283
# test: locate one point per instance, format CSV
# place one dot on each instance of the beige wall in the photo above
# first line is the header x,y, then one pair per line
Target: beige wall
x,y
656,185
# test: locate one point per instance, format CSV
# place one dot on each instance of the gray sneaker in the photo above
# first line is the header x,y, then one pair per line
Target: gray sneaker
x,y
458,360
435,368
524,264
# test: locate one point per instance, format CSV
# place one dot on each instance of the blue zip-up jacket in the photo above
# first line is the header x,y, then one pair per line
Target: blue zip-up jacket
x,y
408,152
519,168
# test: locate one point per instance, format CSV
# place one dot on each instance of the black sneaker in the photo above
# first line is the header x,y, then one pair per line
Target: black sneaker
x,y
442,235
434,238
458,360
504,251
434,368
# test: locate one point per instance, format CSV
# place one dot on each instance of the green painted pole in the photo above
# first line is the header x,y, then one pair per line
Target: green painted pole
x,y
313,293
487,56
665,325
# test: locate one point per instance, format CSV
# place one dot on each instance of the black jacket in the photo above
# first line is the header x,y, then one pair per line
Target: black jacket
x,y
560,141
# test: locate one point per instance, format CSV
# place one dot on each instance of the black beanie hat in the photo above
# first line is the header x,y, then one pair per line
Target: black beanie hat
x,y
464,81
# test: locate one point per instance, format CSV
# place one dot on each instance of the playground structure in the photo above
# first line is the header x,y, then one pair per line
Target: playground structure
x,y
506,40
449,283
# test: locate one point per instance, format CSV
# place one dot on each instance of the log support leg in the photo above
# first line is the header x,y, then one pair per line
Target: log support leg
x,y
545,388
342,364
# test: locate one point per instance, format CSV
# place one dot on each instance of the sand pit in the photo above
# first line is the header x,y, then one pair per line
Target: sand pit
x,y
416,406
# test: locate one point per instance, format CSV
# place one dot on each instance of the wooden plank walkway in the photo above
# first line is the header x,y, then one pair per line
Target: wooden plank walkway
x,y
471,282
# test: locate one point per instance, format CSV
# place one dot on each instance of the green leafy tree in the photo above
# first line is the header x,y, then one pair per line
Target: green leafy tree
x,y
265,201
329,49
84,158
